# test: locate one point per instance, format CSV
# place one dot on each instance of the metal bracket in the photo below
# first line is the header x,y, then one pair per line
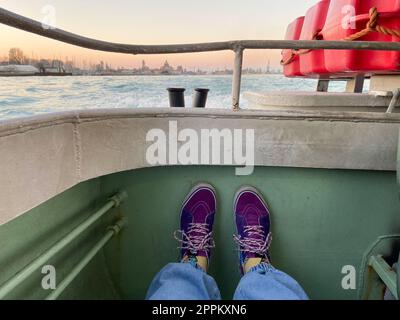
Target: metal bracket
x,y
368,280
394,101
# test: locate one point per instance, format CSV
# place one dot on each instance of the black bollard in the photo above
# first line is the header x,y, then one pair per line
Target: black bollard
x,y
176,97
200,98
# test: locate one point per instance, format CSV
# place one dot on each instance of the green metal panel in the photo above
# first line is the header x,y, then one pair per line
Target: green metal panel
x,y
322,220
27,237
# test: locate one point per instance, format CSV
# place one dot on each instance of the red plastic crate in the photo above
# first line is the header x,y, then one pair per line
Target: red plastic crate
x,y
293,33
313,63
352,61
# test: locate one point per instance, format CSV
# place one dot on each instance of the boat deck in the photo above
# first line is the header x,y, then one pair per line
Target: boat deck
x,y
322,220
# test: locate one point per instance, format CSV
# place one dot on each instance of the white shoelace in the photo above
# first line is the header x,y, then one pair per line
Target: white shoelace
x,y
253,242
196,239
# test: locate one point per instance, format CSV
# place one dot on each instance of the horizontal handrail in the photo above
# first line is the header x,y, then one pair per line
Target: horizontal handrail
x,y
111,232
22,275
20,22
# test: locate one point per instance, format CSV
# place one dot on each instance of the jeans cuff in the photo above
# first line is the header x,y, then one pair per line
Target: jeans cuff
x,y
193,262
262,268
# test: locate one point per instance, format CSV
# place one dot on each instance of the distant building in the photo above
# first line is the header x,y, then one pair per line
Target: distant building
x,y
222,72
166,68
47,66
144,67
69,66
126,72
43,64
100,66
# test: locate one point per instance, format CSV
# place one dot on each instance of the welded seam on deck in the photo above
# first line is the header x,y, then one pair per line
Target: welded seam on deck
x,y
77,149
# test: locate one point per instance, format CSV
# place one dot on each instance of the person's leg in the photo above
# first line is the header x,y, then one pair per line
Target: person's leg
x,y
261,281
264,282
188,280
183,281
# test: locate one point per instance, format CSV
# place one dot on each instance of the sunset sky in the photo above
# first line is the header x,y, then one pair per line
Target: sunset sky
x,y
156,22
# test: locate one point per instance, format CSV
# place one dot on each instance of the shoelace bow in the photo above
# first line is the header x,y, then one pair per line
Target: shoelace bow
x,y
197,238
253,241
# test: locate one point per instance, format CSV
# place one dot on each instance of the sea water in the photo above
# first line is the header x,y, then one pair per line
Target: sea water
x,y
27,96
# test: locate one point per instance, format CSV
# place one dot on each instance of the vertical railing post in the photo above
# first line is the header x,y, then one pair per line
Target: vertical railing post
x,y
356,85
237,78
323,85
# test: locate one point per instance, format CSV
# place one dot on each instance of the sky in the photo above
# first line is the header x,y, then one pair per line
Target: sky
x,y
155,22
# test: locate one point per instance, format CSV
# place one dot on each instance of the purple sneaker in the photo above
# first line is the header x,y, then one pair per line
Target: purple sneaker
x,y
253,225
197,220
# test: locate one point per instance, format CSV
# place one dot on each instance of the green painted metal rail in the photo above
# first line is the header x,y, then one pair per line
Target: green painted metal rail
x,y
112,231
366,260
24,274
398,278
386,273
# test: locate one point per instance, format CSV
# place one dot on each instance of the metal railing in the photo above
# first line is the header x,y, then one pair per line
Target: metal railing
x,y
16,280
74,273
374,261
17,21
388,276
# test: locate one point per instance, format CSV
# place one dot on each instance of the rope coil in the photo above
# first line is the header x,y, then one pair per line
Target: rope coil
x,y
372,26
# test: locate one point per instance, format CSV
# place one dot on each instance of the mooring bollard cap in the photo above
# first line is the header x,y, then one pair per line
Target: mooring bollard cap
x,y
201,90
176,89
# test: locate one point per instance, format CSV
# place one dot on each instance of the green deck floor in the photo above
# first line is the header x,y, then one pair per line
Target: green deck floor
x,y
322,220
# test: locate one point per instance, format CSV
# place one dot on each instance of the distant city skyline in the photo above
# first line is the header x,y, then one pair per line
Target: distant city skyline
x,y
26,58
17,57
155,22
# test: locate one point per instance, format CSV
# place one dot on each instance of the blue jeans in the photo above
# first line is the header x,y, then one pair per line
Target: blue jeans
x,y
187,281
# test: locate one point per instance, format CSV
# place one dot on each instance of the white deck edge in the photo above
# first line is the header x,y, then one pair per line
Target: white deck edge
x,y
45,155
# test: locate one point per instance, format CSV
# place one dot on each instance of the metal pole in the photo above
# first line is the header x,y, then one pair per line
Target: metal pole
x,y
366,260
385,272
394,101
112,231
356,85
237,78
22,275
